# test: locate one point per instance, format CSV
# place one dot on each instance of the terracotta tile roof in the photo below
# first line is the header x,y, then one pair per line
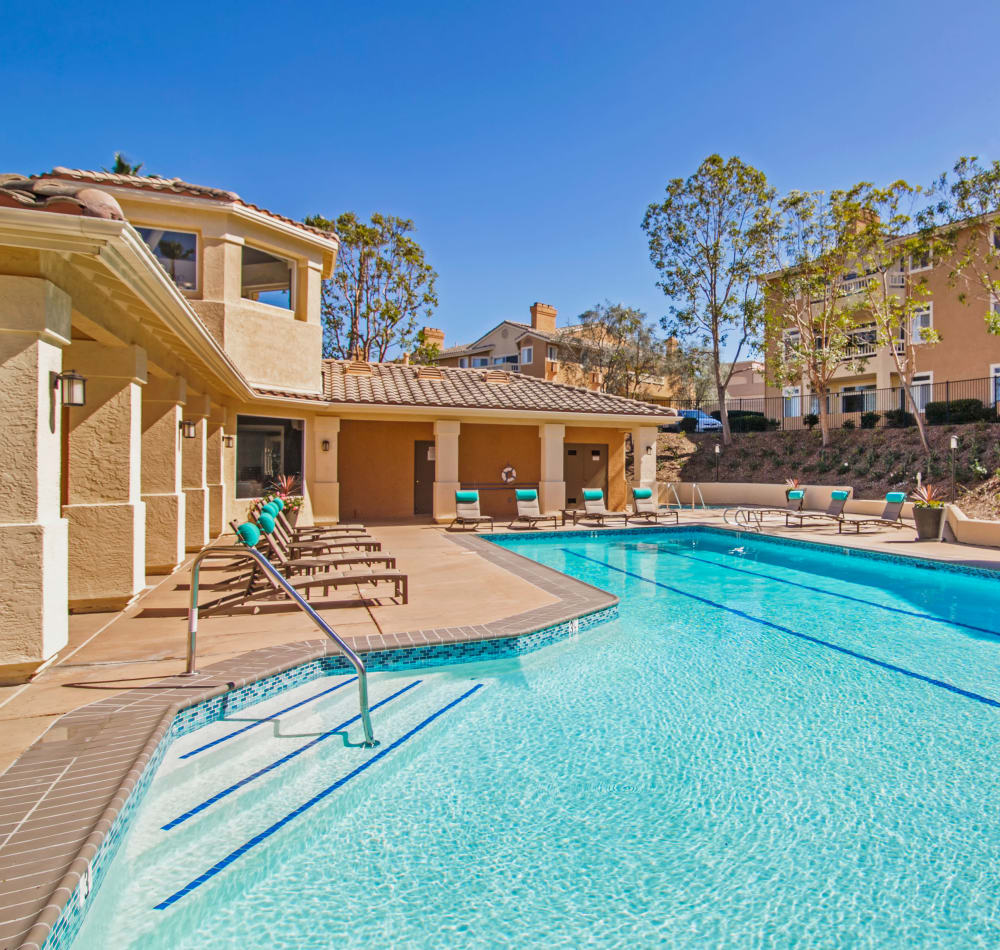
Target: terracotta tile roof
x,y
398,384
172,185
61,197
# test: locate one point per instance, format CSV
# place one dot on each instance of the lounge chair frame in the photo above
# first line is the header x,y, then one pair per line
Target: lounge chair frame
x,y
647,508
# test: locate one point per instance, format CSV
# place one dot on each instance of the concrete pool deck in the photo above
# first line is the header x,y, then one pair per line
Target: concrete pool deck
x,y
85,725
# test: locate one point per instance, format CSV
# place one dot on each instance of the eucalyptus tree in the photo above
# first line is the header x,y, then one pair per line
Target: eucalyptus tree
x,y
897,242
710,238
616,344
811,322
381,287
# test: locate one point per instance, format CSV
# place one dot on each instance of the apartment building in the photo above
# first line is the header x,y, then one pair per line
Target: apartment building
x,y
533,349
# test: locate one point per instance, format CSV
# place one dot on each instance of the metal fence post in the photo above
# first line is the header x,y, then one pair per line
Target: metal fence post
x,y
947,401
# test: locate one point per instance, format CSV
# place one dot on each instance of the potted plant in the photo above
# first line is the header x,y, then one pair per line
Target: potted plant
x,y
286,488
928,510
791,484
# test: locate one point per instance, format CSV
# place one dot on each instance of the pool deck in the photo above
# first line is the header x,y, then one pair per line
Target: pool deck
x,y
75,739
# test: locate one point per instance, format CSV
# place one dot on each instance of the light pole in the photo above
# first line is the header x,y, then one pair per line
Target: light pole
x,y
954,448
718,452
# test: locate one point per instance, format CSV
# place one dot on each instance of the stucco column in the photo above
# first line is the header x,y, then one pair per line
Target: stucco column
x,y
552,487
215,462
325,491
34,327
194,472
162,493
445,468
107,517
644,457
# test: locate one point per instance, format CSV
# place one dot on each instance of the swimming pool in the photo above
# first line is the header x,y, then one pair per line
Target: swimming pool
x,y
774,745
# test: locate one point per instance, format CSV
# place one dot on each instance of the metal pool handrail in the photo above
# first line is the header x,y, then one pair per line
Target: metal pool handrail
x,y
277,578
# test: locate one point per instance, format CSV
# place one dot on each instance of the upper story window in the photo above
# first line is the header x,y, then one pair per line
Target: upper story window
x,y
177,252
463,362
527,354
921,262
480,361
922,319
553,353
267,279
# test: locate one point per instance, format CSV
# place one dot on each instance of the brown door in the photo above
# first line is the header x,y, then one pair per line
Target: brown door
x,y
584,466
423,478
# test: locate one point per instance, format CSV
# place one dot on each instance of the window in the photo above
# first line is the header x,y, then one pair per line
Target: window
x,y
265,449
791,404
267,279
858,398
527,354
463,362
921,389
480,361
177,252
553,353
922,319
920,262
791,341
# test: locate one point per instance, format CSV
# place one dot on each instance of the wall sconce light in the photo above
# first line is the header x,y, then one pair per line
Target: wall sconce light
x,y
72,388
649,449
188,427
325,445
227,441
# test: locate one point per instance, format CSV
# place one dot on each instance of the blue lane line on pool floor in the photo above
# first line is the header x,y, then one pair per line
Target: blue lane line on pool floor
x,y
260,722
305,806
819,590
795,633
190,813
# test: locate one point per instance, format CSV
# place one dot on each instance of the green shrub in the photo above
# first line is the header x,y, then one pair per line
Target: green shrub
x,y
810,420
978,469
848,424
772,425
688,424
870,419
899,419
958,410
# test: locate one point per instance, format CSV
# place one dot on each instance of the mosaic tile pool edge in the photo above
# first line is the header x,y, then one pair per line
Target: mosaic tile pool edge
x,y
65,929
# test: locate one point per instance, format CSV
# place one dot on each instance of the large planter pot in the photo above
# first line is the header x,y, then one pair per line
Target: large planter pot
x,y
928,521
292,516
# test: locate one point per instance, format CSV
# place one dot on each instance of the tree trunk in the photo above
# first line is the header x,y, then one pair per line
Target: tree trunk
x,y
921,425
824,417
727,437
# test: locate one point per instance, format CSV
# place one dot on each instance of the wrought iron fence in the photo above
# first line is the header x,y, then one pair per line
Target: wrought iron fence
x,y
865,407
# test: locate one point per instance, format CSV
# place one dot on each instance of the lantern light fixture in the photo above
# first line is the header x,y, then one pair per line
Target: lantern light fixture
x,y
325,445
188,427
227,441
72,388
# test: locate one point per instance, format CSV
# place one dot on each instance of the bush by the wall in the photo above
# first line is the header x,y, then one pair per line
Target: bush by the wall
x,y
772,425
810,420
870,419
958,410
688,424
848,424
899,419
742,420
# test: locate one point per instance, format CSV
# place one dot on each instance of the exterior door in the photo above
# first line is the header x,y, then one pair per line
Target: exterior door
x,y
584,466
423,478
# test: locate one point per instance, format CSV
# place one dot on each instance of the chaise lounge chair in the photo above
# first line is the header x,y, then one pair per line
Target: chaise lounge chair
x,y
595,509
752,516
467,511
308,532
313,547
834,511
528,511
254,588
891,517
644,506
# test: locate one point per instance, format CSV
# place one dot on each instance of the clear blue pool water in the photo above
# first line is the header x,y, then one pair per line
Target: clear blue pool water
x,y
772,747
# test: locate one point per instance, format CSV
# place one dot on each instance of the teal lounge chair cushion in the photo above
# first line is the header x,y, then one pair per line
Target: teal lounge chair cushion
x,y
643,493
592,494
798,493
271,509
279,502
266,522
249,534
466,497
839,495
895,497
526,494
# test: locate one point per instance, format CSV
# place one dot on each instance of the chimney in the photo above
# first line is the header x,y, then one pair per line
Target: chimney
x,y
543,317
430,336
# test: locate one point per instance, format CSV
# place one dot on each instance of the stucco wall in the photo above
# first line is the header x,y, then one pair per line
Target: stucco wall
x,y
485,450
614,439
376,468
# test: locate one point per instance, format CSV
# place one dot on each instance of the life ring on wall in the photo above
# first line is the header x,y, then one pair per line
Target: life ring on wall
x,y
508,475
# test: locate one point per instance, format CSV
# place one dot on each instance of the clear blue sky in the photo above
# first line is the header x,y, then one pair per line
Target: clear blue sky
x,y
525,139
